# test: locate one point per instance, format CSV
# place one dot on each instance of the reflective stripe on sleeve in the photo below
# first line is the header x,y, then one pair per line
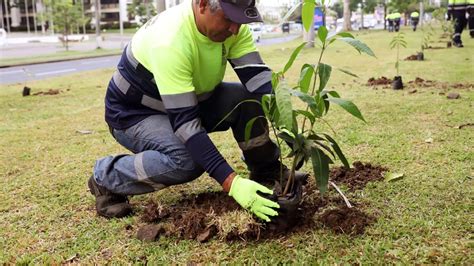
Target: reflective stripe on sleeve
x,y
173,101
153,103
122,84
250,58
189,129
258,80
130,56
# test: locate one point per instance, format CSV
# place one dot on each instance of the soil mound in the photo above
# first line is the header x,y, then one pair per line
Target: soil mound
x,y
379,81
412,57
216,215
344,220
359,176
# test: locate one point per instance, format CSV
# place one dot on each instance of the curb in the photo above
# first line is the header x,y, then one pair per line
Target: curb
x,y
58,60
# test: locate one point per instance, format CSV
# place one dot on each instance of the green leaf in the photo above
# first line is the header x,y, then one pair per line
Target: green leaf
x,y
389,177
338,151
324,72
345,35
321,168
348,106
306,74
322,33
249,126
307,14
305,98
283,102
358,45
347,72
322,145
332,93
308,115
293,57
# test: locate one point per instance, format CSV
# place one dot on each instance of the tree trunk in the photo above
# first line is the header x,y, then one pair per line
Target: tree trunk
x,y
160,6
347,16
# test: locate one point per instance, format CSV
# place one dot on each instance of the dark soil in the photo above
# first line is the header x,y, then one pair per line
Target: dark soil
x,y
413,57
195,216
421,83
49,92
358,176
344,220
379,81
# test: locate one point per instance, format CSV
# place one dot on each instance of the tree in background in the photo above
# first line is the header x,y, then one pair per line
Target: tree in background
x,y
142,11
67,17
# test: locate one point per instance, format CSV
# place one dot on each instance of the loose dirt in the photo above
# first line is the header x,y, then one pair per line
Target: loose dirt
x,y
344,220
358,176
49,92
216,215
412,57
379,81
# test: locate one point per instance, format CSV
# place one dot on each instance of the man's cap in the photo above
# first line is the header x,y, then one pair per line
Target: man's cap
x,y
241,11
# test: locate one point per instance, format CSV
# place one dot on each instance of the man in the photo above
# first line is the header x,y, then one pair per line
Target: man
x,y
390,22
414,17
167,94
470,11
396,17
457,11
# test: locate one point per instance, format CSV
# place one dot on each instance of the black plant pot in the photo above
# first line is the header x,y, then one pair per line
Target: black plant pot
x,y
449,44
397,83
420,56
288,212
26,91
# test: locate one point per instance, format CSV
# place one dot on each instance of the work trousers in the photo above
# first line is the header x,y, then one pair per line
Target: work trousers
x,y
471,20
414,23
460,22
160,159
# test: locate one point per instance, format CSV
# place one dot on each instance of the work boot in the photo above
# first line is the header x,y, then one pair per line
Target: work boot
x,y
108,204
458,44
268,177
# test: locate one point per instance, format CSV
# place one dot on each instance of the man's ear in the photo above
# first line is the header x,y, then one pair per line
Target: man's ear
x,y
203,4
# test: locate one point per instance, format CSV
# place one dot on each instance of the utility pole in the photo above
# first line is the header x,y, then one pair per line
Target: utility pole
x,y
97,23
34,17
27,17
83,20
422,13
7,15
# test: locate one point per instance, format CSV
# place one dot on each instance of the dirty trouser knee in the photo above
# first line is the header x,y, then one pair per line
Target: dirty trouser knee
x,y
160,159
259,151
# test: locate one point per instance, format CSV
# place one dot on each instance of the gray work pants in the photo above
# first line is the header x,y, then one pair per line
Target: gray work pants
x,y
160,159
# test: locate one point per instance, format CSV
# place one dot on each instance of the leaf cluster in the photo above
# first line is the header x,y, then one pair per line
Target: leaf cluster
x,y
297,127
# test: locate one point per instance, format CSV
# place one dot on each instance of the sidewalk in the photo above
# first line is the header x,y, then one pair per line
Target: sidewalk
x,y
17,45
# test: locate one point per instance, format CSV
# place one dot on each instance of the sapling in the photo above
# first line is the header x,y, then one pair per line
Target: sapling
x,y
397,41
303,129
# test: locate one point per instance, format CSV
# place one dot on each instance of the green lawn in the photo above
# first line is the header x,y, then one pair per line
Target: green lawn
x,y
47,215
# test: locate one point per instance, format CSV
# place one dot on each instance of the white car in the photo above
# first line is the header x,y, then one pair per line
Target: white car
x,y
256,30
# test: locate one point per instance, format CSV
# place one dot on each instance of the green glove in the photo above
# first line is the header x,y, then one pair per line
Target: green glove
x,y
244,191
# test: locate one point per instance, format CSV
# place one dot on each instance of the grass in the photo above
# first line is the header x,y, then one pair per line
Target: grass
x,y
47,215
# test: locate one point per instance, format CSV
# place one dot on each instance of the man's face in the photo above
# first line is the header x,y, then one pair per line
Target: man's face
x,y
216,26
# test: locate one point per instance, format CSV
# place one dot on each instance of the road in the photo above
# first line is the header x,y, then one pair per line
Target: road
x,y
42,71
21,74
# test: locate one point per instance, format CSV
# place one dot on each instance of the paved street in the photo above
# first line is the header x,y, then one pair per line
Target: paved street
x,y
20,45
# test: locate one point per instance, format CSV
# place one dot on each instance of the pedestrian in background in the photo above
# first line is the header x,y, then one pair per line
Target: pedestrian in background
x,y
414,18
390,22
396,21
470,10
457,11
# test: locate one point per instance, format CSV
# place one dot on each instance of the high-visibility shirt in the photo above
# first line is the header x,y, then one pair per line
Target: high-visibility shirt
x,y
457,5
414,14
169,67
396,15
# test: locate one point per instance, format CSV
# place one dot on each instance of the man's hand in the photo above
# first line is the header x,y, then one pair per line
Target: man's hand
x,y
244,191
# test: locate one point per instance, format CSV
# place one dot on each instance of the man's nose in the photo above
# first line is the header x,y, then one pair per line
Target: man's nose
x,y
234,28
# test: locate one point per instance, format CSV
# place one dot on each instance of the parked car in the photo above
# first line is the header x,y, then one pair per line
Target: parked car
x,y
256,30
